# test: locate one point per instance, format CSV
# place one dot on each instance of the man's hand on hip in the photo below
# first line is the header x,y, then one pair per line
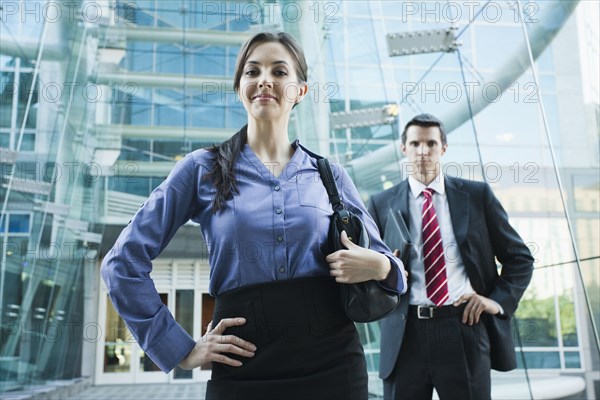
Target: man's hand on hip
x,y
476,305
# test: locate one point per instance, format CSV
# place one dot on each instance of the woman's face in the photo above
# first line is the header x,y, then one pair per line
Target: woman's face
x,y
269,85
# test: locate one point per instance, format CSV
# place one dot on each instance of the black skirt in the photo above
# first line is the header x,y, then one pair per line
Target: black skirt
x,y
306,346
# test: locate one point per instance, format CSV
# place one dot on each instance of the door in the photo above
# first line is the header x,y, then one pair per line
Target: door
x,y
121,359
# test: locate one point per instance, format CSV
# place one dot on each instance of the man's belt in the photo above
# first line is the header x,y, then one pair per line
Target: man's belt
x,y
431,312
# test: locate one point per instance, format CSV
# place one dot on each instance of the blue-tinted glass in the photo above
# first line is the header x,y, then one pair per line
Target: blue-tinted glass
x,y
545,61
496,44
4,139
232,53
135,150
137,185
28,142
210,16
171,13
171,115
169,59
366,84
8,89
364,47
351,8
209,60
155,182
547,83
539,359
243,24
208,117
139,56
140,113
552,117
572,359
18,223
6,62
236,117
169,148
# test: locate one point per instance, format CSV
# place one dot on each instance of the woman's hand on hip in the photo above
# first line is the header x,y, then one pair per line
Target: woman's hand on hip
x,y
357,264
214,346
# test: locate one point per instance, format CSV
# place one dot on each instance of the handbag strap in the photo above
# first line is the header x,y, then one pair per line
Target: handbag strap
x,y
327,178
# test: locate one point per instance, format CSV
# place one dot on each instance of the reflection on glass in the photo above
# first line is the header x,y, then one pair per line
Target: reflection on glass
x,y
184,315
572,359
537,322
370,335
587,193
539,359
118,339
8,89
568,325
117,356
146,363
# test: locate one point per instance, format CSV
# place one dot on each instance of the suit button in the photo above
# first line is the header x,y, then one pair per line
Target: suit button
x,y
403,316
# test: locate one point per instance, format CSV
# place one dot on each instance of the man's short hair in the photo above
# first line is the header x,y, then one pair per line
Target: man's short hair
x,y
425,121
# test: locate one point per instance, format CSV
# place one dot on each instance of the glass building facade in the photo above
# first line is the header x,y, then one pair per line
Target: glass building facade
x,y
99,99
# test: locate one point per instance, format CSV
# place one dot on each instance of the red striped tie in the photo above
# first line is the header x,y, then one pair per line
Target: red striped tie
x,y
433,251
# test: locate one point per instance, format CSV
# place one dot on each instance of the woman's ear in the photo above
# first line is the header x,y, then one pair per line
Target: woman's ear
x,y
302,91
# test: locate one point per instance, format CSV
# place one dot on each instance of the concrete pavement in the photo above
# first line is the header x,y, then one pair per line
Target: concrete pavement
x,y
187,391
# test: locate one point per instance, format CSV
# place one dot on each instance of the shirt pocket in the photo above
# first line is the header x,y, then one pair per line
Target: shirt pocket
x,y
313,194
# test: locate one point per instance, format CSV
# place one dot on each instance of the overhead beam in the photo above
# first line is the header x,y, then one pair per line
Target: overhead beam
x,y
212,84
173,35
216,135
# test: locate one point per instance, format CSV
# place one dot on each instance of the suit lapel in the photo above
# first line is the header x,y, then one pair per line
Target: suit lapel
x,y
458,202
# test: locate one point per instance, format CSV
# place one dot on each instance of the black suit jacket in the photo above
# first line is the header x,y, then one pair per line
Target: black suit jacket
x,y
483,234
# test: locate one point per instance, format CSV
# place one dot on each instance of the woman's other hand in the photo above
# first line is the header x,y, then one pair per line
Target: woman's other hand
x,y
214,346
357,264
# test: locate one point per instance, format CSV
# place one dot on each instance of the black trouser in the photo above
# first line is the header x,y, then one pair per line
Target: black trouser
x,y
443,353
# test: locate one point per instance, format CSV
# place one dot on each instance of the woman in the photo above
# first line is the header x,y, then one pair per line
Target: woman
x,y
280,330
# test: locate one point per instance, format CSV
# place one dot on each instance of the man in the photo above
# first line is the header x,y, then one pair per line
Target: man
x,y
453,325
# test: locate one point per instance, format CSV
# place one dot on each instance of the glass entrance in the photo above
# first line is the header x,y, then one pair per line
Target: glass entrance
x,y
123,360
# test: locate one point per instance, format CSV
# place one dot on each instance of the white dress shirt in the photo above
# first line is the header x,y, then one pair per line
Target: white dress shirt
x,y
458,281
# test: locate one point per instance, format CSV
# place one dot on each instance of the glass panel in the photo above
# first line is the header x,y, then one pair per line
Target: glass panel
x,y
568,323
537,314
4,136
138,185
8,89
539,360
28,142
117,345
370,335
572,359
18,223
24,90
587,192
146,363
184,315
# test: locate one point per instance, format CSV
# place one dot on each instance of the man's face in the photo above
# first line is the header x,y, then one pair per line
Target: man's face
x,y
424,150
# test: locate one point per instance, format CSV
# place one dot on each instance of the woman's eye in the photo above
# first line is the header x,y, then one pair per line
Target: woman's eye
x,y
251,72
280,73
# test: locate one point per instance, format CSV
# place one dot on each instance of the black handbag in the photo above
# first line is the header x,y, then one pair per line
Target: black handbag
x,y
364,301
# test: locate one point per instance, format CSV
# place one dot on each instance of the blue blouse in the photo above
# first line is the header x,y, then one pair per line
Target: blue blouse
x,y
274,229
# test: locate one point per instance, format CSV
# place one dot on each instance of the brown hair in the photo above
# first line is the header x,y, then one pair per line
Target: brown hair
x,y
425,121
223,173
